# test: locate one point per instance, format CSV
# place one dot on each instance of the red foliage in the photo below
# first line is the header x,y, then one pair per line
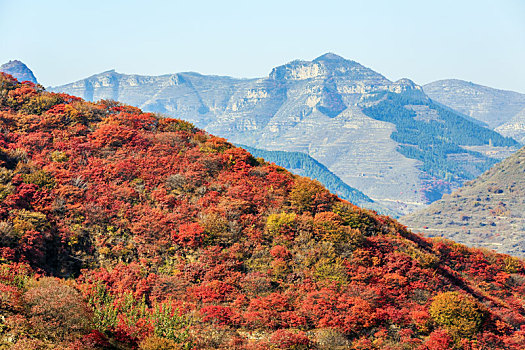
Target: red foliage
x,y
190,235
280,252
286,339
438,340
328,308
220,315
148,212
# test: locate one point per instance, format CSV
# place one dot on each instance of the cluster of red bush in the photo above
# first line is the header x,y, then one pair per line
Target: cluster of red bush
x,y
120,229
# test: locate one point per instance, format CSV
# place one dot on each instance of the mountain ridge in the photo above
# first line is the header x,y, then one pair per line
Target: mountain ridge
x,y
495,107
317,107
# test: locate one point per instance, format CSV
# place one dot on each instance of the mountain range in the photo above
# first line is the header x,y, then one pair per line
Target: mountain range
x,y
387,139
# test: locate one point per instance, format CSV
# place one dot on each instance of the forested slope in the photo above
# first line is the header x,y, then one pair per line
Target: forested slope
x,y
122,230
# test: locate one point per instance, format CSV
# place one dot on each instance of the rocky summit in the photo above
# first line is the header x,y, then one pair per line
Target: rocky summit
x,y
18,70
385,138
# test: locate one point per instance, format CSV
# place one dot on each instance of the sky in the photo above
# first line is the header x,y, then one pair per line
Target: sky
x,y
63,41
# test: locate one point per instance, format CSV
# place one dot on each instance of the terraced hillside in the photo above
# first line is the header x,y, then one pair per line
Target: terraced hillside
x,y
486,212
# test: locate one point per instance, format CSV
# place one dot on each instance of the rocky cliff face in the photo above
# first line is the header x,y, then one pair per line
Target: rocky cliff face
x,y
18,70
327,108
486,212
496,108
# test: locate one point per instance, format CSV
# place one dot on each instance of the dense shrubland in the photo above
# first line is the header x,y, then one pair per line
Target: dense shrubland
x,y
122,230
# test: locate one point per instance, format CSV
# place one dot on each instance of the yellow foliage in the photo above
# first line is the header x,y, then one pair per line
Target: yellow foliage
x,y
460,314
28,220
304,193
171,124
328,226
280,268
276,222
40,178
6,190
354,217
104,251
331,269
215,145
512,264
59,156
40,104
5,176
158,343
425,260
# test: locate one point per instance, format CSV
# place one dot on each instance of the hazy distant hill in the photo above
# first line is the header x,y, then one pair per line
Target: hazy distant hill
x,y
486,212
387,139
18,70
501,110
515,127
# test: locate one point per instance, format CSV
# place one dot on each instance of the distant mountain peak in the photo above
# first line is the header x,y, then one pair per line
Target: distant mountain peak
x,y
111,72
329,56
18,70
325,66
13,62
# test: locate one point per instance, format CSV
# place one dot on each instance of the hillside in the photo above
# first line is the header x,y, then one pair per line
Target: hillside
x,y
334,110
123,230
304,165
486,212
501,110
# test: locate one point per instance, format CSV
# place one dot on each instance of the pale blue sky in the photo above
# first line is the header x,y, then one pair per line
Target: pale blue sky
x,y
65,40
